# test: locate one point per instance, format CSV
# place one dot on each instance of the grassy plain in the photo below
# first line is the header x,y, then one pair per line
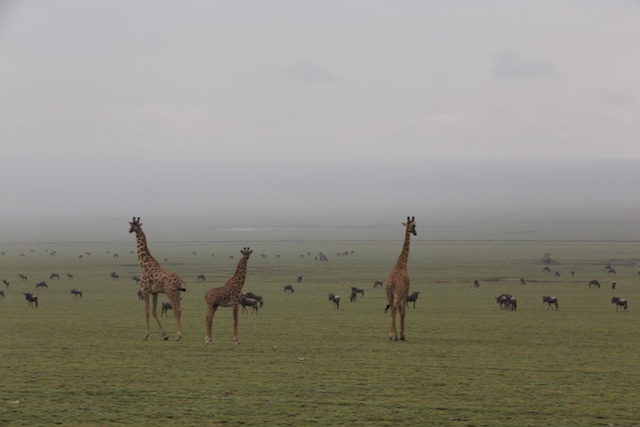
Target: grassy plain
x,y
302,362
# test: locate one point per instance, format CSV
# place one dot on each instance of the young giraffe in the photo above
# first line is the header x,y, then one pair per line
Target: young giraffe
x,y
228,295
398,283
156,280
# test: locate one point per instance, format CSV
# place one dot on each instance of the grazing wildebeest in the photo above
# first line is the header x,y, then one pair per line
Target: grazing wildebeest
x,y
476,284
412,298
550,301
335,299
522,281
166,306
6,282
22,277
357,290
54,276
115,256
201,278
76,293
594,283
547,269
619,302
41,285
289,288
70,276
299,279
557,274
32,299
136,279
249,302
611,271
507,301
378,284
115,275
255,297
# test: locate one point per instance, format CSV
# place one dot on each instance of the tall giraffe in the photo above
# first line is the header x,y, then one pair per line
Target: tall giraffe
x,y
156,280
228,295
398,283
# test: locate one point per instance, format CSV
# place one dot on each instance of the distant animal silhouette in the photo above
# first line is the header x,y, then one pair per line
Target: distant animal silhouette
x,y
77,293
42,285
594,283
22,277
378,284
54,276
620,303
412,298
249,302
201,278
166,306
357,290
6,282
115,275
550,301
288,288
70,276
32,299
255,297
335,299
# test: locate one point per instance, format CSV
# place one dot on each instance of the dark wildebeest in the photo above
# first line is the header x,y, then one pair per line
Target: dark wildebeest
x,y
76,293
476,284
353,296
547,269
140,296
115,275
378,284
2,294
255,297
557,274
357,290
299,279
136,279
249,302
613,284
166,306
335,299
54,276
70,276
619,302
6,282
550,301
503,301
41,285
288,288
594,283
201,278
32,299
22,277
522,281
412,298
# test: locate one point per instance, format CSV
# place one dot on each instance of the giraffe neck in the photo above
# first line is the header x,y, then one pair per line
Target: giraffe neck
x,y
404,255
237,282
144,256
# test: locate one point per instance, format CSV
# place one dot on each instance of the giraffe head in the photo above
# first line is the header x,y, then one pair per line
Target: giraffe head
x,y
136,225
411,225
246,252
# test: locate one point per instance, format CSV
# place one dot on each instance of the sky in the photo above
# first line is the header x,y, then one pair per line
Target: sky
x,y
146,107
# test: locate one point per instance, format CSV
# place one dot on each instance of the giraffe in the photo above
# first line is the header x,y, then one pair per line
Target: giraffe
x,y
398,283
228,295
156,280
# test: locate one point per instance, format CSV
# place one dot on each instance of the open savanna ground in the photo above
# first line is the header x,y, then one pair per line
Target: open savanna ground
x,y
303,362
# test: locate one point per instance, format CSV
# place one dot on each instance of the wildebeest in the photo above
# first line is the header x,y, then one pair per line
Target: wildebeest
x,y
547,269
299,279
550,301
412,298
76,293
140,296
378,284
2,294
594,283
115,275
136,279
166,306
619,302
522,281
249,302
357,290
201,278
335,299
32,299
476,283
6,282
23,278
289,288
41,285
255,297
613,284
353,296
507,301
70,276
54,276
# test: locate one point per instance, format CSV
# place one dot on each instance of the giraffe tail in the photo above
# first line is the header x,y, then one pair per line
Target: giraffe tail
x,y
183,289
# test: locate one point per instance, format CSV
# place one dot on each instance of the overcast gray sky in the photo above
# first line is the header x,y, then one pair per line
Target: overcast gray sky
x,y
146,106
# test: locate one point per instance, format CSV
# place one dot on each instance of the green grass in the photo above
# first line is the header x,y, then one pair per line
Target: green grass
x,y
301,362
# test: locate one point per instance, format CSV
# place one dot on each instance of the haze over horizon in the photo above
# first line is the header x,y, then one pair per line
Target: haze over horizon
x,y
327,113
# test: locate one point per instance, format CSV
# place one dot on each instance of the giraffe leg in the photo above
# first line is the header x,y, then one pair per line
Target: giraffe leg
x,y
235,324
393,335
155,316
403,310
208,321
146,314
